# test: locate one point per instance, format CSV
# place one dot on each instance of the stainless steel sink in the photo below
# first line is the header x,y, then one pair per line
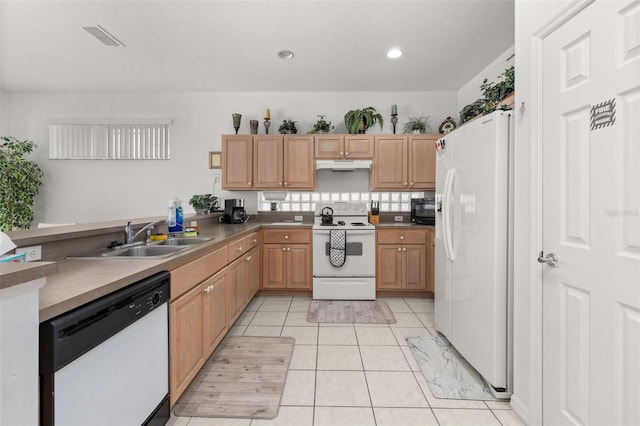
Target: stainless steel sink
x,y
156,251
184,241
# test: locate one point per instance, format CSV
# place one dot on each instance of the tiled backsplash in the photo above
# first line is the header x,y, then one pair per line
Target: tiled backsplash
x,y
306,201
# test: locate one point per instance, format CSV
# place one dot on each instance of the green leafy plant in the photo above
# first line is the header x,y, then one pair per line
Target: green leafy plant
x,y
203,203
493,93
322,126
417,124
288,126
20,181
359,120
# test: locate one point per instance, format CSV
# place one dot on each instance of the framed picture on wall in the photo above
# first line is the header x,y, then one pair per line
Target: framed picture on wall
x,y
215,159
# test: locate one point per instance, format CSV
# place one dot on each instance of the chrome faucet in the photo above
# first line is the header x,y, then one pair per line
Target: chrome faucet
x,y
129,236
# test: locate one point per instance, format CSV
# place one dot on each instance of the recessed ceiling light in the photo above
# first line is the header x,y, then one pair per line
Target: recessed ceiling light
x,y
285,54
394,53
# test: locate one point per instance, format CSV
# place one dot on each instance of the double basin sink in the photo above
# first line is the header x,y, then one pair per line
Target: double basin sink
x,y
154,250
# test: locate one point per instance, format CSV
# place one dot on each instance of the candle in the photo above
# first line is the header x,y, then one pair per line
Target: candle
x,y
267,114
394,109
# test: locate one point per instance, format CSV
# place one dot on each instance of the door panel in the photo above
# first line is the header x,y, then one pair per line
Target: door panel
x,y
591,219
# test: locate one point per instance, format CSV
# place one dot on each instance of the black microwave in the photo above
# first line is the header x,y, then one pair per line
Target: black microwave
x,y
423,211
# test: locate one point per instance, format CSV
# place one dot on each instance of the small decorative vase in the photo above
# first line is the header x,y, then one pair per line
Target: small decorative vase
x,y
362,128
253,125
236,121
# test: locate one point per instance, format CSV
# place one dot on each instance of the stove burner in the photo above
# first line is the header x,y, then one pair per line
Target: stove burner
x,y
358,224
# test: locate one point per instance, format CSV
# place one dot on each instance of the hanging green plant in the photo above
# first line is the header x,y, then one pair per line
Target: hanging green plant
x,y
359,120
20,181
493,94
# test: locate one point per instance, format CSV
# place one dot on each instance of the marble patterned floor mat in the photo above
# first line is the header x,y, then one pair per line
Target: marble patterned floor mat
x,y
447,373
244,378
350,312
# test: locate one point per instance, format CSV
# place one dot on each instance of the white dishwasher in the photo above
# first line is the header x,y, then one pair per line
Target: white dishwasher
x,y
107,362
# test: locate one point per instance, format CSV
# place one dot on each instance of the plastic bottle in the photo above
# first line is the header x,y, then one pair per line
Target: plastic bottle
x,y
175,218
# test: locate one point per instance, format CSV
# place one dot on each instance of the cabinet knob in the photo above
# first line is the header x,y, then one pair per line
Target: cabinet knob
x,y
402,237
404,249
410,183
239,248
255,240
248,258
288,248
399,248
341,153
286,237
286,183
346,153
249,183
284,249
280,183
405,184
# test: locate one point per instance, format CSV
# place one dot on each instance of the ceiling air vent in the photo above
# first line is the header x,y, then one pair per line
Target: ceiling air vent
x,y
103,36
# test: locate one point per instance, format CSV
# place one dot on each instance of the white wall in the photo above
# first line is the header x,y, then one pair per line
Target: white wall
x,y
526,400
95,190
3,112
470,92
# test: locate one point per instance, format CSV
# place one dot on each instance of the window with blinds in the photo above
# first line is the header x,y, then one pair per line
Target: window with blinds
x,y
115,140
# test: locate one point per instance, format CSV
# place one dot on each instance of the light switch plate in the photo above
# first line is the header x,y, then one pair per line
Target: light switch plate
x,y
398,218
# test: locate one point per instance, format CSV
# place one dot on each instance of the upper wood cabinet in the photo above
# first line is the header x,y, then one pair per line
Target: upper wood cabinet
x,y
343,147
404,162
237,162
268,162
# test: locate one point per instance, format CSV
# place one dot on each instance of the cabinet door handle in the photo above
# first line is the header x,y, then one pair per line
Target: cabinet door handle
x,y
249,183
286,183
410,183
279,183
284,249
255,240
399,248
239,248
404,249
346,153
288,248
402,237
248,258
341,153
405,184
286,237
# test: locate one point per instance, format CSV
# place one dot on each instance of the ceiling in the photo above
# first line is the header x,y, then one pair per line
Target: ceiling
x,y
215,45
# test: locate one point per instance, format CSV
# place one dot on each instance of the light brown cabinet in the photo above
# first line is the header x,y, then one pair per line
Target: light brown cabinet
x,y
283,162
431,251
286,259
343,147
404,162
401,259
198,323
237,162
240,273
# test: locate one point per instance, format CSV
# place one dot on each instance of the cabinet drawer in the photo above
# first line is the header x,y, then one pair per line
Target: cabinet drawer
x,y
252,240
187,276
237,248
393,236
283,236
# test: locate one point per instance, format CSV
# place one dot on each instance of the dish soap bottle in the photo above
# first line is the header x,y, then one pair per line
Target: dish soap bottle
x,y
175,218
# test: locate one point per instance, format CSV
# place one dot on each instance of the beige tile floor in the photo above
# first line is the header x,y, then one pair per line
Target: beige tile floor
x,y
344,374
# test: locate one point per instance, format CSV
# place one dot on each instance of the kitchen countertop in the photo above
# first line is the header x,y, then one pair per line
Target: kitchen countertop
x,y
75,281
79,281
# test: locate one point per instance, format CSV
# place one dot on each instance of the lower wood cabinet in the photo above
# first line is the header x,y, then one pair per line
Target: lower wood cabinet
x,y
242,283
286,259
198,322
431,252
401,259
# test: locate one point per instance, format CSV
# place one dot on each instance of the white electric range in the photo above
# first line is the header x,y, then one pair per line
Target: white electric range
x,y
354,279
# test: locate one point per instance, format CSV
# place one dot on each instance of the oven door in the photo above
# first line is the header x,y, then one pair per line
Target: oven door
x,y
361,254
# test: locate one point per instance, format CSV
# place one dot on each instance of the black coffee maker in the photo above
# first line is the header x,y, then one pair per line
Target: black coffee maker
x,y
234,211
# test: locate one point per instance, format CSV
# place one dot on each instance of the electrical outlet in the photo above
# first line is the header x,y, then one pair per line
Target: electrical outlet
x,y
398,218
297,218
33,253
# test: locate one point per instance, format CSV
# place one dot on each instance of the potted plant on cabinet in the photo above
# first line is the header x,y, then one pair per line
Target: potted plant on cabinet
x,y
20,181
359,120
417,125
288,126
203,203
322,126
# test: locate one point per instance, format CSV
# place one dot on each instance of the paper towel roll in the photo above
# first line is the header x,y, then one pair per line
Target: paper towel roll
x,y
5,243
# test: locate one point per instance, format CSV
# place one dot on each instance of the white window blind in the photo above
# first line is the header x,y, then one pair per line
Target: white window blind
x,y
112,140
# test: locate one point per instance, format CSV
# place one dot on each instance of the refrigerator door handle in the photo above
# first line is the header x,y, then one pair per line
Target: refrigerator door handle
x,y
446,214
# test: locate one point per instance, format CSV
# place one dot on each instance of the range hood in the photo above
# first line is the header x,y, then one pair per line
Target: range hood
x,y
343,165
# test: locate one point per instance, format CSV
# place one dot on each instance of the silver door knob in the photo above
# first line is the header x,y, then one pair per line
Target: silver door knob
x,y
550,259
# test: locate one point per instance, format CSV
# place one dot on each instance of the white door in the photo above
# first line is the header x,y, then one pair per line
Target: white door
x,y
591,217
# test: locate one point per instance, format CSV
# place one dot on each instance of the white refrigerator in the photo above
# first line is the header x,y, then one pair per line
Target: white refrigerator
x,y
473,243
